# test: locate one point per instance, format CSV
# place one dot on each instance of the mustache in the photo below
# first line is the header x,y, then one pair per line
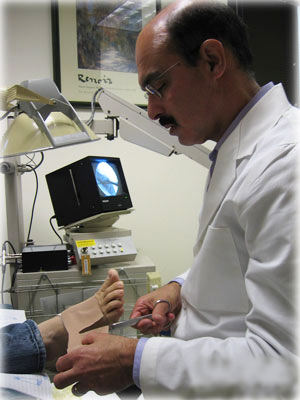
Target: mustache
x,y
167,120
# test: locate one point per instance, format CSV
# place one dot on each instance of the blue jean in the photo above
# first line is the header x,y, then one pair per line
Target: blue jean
x,y
22,348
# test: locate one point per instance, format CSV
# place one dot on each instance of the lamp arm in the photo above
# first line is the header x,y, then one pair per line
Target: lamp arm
x,y
32,111
69,111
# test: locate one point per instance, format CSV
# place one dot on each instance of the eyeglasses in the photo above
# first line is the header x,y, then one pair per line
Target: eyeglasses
x,y
156,92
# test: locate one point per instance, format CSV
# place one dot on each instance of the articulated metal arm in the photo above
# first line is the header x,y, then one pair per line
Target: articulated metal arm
x,y
136,127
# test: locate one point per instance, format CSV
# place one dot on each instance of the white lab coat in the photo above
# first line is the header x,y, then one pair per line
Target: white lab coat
x,y
238,299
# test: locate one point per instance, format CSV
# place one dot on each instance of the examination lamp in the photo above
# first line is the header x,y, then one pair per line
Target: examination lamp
x,y
43,119
39,118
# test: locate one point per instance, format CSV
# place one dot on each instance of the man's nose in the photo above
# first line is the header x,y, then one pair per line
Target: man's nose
x,y
155,107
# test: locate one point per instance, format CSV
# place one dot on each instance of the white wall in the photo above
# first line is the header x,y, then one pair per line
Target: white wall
x,y
166,192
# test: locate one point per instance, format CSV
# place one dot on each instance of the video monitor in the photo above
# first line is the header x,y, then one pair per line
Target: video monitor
x,y
107,178
87,188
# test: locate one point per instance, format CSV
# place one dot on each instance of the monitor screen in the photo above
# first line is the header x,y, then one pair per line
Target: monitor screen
x,y
107,178
87,188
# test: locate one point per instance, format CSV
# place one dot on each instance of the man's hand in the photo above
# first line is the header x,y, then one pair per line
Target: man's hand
x,y
161,318
104,364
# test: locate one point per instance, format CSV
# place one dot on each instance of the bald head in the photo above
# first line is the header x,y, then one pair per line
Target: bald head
x,y
184,25
156,31
152,39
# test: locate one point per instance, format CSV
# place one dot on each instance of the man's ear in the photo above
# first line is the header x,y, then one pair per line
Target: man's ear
x,y
212,52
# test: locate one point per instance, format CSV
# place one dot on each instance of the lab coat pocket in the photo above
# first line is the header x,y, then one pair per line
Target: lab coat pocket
x,y
215,281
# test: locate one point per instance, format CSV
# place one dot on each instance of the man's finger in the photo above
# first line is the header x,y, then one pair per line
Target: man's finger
x,y
64,379
88,339
64,363
79,389
159,314
65,376
161,308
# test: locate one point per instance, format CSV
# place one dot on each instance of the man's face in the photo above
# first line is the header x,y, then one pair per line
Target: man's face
x,y
188,102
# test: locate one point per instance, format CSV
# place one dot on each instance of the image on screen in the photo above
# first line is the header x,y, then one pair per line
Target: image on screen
x,y
107,178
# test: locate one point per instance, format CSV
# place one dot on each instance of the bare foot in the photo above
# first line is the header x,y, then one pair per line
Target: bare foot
x,y
111,298
103,308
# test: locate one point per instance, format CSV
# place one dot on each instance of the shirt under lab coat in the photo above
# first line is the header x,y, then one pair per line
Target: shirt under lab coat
x,y
239,297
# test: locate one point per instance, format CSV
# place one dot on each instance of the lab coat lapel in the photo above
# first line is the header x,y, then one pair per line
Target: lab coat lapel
x,y
240,144
263,116
222,178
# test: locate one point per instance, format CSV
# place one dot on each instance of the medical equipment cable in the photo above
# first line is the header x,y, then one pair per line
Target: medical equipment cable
x,y
32,168
31,159
28,240
93,107
54,230
3,273
7,242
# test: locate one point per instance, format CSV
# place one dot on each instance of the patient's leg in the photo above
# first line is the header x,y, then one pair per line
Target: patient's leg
x,y
55,337
105,307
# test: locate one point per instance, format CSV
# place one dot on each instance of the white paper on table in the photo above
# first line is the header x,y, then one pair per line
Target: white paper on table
x,y
38,386
10,316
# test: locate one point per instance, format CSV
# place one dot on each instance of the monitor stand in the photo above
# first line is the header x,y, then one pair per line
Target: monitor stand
x,y
98,241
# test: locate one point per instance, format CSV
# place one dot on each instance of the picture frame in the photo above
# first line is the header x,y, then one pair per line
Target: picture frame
x,y
93,46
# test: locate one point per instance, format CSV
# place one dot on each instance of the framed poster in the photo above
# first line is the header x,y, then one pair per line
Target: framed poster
x,y
94,46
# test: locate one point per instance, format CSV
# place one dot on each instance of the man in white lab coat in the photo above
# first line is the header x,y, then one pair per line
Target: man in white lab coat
x,y
233,313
